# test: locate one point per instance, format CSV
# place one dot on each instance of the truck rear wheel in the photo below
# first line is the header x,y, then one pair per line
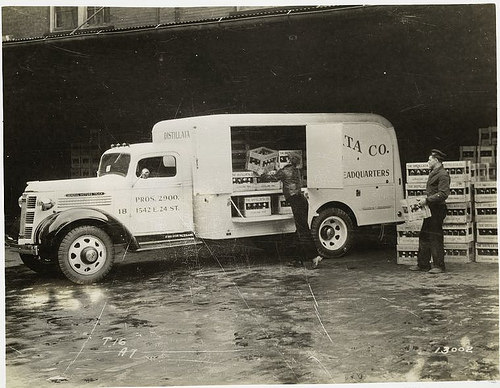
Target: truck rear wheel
x,y
86,254
38,264
333,232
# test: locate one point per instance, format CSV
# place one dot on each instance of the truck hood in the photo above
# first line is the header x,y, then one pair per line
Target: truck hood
x,y
83,185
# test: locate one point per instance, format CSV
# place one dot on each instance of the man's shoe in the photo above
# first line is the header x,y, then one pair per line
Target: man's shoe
x,y
295,263
417,268
316,261
436,270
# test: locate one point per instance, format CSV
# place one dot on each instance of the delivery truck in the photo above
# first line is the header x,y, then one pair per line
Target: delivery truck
x,y
195,182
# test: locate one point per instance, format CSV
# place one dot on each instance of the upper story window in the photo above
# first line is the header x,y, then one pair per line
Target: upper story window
x,y
69,18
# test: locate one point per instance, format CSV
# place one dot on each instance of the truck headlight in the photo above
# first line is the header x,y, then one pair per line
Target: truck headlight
x,y
20,201
46,203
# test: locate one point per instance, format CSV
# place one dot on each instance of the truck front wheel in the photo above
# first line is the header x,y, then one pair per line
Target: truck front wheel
x,y
333,232
86,254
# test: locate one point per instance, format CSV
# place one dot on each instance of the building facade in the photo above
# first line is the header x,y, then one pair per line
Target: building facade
x,y
35,22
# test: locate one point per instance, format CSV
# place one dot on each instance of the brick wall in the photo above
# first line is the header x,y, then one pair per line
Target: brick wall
x,y
131,17
200,13
26,22
20,22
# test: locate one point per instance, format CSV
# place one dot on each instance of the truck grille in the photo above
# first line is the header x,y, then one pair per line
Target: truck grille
x,y
30,217
28,231
31,202
65,202
27,217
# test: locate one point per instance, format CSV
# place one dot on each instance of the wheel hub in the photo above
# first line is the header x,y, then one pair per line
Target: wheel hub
x,y
327,232
333,233
89,255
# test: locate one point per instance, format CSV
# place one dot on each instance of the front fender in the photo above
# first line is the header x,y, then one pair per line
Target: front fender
x,y
51,228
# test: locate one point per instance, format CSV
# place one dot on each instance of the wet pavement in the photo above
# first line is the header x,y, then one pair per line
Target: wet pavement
x,y
233,314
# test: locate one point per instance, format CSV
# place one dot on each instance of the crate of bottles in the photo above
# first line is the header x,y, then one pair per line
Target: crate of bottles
x,y
415,190
459,253
487,154
468,153
492,172
486,253
486,232
487,136
480,172
255,206
261,184
243,180
458,233
485,191
413,210
261,158
417,172
407,254
408,232
458,213
459,171
485,212
459,191
283,205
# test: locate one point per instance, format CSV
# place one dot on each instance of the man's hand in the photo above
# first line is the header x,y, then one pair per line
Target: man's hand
x,y
422,202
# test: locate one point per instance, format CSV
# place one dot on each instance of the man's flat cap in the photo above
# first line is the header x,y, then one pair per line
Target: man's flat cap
x,y
439,155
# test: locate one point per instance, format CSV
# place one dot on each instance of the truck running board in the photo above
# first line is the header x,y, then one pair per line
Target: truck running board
x,y
166,244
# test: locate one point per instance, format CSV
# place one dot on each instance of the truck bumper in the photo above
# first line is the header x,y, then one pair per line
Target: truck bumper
x,y
26,249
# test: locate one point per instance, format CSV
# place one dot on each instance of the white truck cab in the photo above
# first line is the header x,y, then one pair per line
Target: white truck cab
x,y
179,189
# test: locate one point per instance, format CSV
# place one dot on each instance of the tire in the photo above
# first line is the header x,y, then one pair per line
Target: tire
x,y
39,265
86,254
333,232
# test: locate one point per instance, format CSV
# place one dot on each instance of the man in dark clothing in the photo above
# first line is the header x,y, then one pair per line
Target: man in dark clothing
x,y
291,177
430,241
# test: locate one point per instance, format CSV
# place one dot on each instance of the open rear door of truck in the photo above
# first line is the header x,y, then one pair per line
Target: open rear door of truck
x,y
212,170
324,155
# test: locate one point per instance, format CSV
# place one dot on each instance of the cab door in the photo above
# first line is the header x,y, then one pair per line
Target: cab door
x,y
161,201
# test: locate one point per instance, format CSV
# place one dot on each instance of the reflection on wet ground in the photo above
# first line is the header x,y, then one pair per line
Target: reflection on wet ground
x,y
238,316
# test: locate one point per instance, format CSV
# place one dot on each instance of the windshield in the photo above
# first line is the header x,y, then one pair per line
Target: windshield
x,y
114,164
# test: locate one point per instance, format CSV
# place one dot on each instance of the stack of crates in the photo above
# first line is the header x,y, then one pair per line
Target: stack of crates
x,y
485,212
457,228
483,156
487,150
84,160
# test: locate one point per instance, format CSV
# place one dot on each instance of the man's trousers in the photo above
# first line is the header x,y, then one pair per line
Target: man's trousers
x,y
430,241
300,208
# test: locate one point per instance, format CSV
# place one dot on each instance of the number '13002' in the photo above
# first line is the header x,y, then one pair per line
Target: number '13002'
x,y
447,349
